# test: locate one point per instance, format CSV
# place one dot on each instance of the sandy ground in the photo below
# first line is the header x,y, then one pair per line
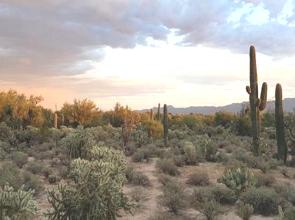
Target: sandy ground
x,y
150,205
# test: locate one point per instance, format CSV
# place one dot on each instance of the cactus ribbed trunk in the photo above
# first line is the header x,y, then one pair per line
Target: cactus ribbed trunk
x,y
256,104
280,125
55,120
151,115
159,112
165,124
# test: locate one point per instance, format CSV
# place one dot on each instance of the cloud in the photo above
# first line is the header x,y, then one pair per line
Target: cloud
x,y
49,42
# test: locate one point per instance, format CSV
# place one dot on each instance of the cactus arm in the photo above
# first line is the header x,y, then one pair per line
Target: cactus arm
x,y
280,125
248,90
263,97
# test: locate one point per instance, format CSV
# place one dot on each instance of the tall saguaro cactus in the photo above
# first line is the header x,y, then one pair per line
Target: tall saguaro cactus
x,y
256,105
55,120
165,123
151,115
280,125
159,112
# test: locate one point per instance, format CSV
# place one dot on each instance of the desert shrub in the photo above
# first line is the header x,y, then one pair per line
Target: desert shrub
x,y
30,135
179,160
206,148
63,171
10,174
168,216
138,196
243,126
141,155
6,133
137,178
52,179
238,179
46,171
140,136
77,143
210,208
173,197
167,166
16,205
32,182
223,195
218,193
245,211
198,178
19,158
286,191
264,200
35,167
265,180
96,191
201,195
190,153
289,214
5,148
164,178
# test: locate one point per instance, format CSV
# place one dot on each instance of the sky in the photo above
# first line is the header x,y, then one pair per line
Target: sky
x,y
143,52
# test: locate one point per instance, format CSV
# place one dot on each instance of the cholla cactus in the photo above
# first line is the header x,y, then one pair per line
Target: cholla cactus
x,y
96,192
238,179
17,204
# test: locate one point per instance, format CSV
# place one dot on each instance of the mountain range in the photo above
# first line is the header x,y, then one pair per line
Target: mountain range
x,y
289,106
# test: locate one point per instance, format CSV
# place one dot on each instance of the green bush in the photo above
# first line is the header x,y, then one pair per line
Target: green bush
x,y
173,197
137,178
264,200
210,208
52,179
138,196
17,204
190,153
289,214
32,182
265,180
10,174
19,158
238,179
35,167
245,211
198,178
206,148
142,155
167,166
219,193
224,195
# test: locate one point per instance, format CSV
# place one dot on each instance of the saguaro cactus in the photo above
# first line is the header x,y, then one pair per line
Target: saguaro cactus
x,y
159,112
151,115
165,123
256,105
280,125
55,120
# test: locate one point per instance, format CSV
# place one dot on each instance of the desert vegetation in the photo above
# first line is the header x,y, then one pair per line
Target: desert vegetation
x,y
84,163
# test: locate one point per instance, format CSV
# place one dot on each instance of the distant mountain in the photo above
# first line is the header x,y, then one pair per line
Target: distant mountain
x,y
289,106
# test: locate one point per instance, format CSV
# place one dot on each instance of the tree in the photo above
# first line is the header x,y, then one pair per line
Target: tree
x,y
81,112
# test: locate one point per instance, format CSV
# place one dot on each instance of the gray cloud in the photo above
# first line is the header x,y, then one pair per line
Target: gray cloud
x,y
44,39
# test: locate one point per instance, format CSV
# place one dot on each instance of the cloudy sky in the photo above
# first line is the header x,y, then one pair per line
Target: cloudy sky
x,y
141,52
